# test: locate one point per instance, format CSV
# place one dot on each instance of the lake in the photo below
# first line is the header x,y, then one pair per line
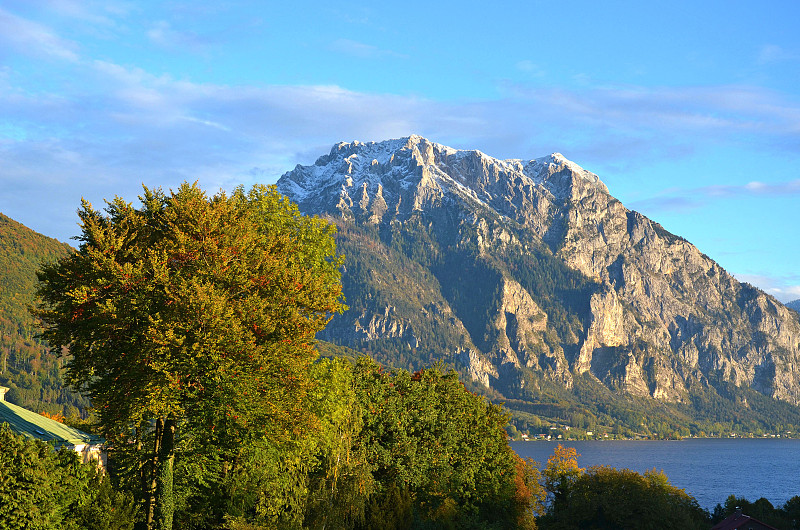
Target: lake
x,y
708,469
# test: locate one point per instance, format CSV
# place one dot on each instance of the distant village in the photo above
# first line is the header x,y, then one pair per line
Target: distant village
x,y
566,432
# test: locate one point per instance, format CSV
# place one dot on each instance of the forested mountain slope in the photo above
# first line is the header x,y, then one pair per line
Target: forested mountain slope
x,y
32,374
534,280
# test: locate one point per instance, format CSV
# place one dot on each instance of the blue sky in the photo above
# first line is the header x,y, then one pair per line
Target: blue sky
x,y
688,111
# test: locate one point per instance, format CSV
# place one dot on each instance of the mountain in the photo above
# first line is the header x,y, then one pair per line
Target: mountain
x,y
531,278
26,367
794,304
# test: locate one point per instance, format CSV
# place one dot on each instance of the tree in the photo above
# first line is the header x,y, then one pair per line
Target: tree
x,y
562,472
339,480
190,323
43,489
791,510
604,497
439,454
29,493
323,482
761,509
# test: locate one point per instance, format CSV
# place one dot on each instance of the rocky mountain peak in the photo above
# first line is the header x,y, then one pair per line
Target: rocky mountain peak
x,y
400,176
518,267
565,172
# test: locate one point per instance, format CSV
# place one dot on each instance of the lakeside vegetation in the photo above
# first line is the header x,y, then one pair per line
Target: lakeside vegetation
x,y
50,490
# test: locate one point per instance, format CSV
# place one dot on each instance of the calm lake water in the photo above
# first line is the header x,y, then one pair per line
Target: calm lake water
x,y
709,469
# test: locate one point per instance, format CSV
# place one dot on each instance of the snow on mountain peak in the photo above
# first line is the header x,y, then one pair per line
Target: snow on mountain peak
x,y
414,162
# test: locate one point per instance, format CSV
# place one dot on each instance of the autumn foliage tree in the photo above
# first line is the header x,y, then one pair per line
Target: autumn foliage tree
x,y
604,497
561,472
190,320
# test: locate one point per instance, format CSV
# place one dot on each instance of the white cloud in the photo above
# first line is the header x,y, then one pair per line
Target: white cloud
x,y
30,38
98,13
130,125
722,110
161,33
529,67
684,199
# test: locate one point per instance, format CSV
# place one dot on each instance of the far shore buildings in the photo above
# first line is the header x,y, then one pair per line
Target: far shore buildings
x,y
32,425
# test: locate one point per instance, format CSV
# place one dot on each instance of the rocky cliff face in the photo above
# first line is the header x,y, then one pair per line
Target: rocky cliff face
x,y
514,268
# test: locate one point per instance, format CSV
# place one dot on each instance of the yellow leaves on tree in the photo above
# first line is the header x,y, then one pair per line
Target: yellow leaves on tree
x,y
562,470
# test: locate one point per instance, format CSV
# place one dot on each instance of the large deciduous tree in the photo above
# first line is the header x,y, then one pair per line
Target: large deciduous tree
x,y
193,317
439,454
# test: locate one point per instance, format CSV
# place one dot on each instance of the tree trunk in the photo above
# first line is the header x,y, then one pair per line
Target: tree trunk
x,y
165,501
149,489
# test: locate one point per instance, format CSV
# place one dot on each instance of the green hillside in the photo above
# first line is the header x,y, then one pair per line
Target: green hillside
x,y
26,367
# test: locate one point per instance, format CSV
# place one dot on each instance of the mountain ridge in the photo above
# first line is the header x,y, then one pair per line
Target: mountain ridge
x,y
643,311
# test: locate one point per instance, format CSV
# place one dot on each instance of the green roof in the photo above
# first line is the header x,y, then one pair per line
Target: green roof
x,y
33,425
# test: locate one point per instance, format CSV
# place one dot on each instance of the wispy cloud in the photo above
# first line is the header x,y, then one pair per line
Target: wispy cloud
x,y
662,203
30,38
681,200
530,68
723,110
123,125
161,33
785,289
362,50
127,126
129,123
771,53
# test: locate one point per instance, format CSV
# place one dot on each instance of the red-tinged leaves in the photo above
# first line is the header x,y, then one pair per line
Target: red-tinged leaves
x,y
193,301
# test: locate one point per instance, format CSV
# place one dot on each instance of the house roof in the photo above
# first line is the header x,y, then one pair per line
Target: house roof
x,y
739,520
33,425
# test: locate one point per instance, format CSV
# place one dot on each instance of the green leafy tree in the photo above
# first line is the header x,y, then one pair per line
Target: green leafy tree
x,y
606,498
41,489
761,509
194,314
339,480
791,510
324,480
29,474
439,454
